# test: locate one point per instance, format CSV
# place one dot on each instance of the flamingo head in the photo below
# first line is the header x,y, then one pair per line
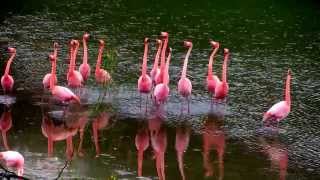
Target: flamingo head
x,y
164,34
55,45
52,57
146,40
214,44
187,44
289,72
86,36
226,51
101,42
12,50
159,42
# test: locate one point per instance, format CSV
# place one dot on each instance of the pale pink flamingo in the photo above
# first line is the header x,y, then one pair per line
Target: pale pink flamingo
x,y
100,122
159,145
7,80
13,159
160,76
60,93
46,78
102,76
182,143
74,77
84,68
142,143
161,91
222,87
211,78
5,125
281,109
144,81
155,69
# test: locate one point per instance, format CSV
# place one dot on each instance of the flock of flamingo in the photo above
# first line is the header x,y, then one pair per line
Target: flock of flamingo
x,y
156,83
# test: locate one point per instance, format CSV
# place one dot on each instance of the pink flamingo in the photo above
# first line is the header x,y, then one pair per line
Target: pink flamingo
x,y
46,78
7,80
102,76
160,76
74,77
59,92
13,159
5,125
281,109
142,143
144,81
161,91
84,68
182,142
222,87
212,79
155,69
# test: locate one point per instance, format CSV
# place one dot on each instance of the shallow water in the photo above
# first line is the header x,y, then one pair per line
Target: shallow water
x,y
265,40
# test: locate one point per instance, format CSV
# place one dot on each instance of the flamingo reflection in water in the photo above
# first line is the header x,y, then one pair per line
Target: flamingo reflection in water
x,y
213,137
5,125
142,140
100,122
182,143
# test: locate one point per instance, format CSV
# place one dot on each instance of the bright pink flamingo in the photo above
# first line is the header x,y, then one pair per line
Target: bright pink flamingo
x,y
84,68
182,143
222,87
142,143
144,81
13,159
211,78
7,80
74,77
161,91
281,109
5,125
155,69
102,76
100,122
60,93
159,78
46,78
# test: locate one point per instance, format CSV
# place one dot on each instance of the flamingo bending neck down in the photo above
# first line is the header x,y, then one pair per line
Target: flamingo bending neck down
x,y
159,78
281,109
74,77
84,68
212,79
161,91
46,78
102,76
60,93
7,80
144,81
184,84
13,159
155,69
222,87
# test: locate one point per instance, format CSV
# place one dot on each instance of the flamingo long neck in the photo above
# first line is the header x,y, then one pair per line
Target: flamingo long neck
x,y
6,72
85,51
166,70
156,59
287,91
163,56
211,62
98,65
144,63
55,51
225,67
140,161
71,58
185,63
74,57
53,74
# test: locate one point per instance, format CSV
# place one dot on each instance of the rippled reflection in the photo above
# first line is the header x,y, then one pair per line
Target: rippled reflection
x,y
181,145
142,143
5,125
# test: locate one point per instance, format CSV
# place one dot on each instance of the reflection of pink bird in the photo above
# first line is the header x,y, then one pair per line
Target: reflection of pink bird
x,y
159,78
13,159
281,109
101,121
212,79
161,91
46,78
7,80
142,143
159,145
222,87
102,76
144,81
74,77
182,142
184,84
155,69
59,92
84,68
5,125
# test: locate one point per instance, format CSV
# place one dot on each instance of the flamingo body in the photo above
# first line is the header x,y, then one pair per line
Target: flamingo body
x,y
102,76
64,94
161,92
184,87
221,90
74,79
144,84
7,83
84,70
14,160
212,83
46,81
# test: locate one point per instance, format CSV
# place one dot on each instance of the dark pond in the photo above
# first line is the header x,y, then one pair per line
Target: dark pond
x,y
222,141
